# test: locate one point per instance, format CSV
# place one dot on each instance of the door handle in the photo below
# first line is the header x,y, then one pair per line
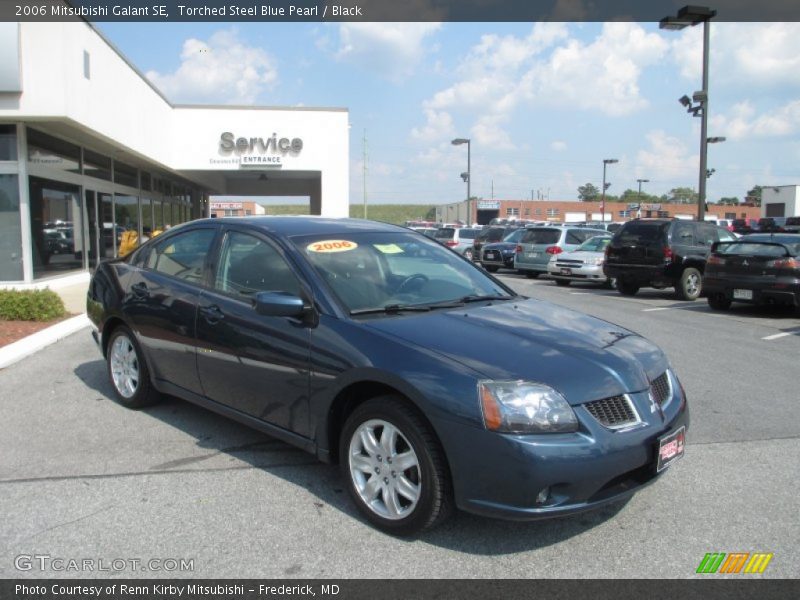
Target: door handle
x,y
140,289
212,314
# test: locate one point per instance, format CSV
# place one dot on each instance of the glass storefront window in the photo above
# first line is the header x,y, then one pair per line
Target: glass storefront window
x,y
10,230
147,184
126,212
96,165
158,215
147,217
125,175
47,151
57,244
8,142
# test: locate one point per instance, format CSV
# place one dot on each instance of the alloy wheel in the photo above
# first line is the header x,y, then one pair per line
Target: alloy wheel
x,y
124,366
384,469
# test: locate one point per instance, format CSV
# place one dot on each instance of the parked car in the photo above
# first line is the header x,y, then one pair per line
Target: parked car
x,y
771,224
792,225
662,253
501,254
745,226
426,231
585,263
758,269
491,235
325,334
539,244
459,239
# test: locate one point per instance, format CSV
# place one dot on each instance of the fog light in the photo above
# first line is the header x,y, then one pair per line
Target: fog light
x,y
543,496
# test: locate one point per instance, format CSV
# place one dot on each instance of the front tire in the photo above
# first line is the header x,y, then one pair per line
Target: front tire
x,y
690,284
562,282
491,268
531,274
127,370
395,468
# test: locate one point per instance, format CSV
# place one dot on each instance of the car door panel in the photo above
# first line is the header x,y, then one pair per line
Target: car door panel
x,y
256,364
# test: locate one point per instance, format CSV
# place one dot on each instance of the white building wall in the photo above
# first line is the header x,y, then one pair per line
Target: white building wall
x,y
119,106
788,195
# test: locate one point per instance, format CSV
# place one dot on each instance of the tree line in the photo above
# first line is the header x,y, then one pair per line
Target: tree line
x,y
679,195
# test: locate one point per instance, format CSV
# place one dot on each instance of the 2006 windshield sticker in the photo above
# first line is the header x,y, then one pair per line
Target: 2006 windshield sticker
x,y
325,246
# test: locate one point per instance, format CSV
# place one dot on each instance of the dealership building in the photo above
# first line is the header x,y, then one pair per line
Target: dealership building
x,y
89,149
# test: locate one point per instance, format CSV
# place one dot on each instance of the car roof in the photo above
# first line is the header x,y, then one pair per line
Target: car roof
x,y
307,225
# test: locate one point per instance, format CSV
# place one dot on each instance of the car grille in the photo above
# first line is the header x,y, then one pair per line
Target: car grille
x,y
660,389
568,262
614,413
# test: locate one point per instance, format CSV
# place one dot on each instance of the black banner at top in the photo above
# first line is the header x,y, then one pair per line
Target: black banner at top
x,y
389,10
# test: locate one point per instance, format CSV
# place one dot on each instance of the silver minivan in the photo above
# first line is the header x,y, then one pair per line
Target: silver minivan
x,y
539,244
457,238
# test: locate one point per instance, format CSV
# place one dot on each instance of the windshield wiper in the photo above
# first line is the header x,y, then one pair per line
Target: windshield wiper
x,y
391,309
479,298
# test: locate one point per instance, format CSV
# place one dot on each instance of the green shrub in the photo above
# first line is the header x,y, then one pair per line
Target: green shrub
x,y
30,305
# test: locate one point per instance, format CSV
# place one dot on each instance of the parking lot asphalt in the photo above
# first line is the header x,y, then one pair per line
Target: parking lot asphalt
x,y
82,477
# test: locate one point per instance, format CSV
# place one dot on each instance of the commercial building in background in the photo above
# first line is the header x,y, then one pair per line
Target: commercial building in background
x,y
780,201
90,149
483,211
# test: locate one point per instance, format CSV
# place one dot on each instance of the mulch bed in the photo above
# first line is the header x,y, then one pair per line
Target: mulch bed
x,y
11,331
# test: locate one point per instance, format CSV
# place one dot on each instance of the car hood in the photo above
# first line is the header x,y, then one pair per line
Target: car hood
x,y
582,357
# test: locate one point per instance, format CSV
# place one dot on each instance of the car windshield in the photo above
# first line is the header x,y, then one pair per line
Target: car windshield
x,y
595,244
542,236
755,249
391,272
641,233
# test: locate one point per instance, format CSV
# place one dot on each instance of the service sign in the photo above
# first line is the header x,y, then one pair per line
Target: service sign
x,y
258,152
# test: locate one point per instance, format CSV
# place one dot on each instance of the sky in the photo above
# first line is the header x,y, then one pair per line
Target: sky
x,y
543,103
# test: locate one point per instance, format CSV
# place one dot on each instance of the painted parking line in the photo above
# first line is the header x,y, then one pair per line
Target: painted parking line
x,y
776,336
655,309
580,293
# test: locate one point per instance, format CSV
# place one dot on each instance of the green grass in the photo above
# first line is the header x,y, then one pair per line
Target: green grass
x,y
388,213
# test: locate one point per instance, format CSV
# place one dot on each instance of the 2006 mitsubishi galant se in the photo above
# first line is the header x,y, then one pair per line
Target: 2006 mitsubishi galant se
x,y
430,382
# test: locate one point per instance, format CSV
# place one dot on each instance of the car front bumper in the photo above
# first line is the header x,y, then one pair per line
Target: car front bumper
x,y
593,273
498,259
502,475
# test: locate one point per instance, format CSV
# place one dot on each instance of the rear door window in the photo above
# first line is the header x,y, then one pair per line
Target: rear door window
x,y
183,255
706,234
467,234
683,234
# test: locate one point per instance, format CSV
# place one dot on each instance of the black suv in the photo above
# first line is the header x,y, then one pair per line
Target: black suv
x,y
792,225
662,253
490,235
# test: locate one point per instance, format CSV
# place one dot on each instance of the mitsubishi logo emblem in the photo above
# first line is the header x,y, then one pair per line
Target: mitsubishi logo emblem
x,y
745,263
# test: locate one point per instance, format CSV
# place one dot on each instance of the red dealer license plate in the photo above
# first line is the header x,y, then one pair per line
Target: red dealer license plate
x,y
670,448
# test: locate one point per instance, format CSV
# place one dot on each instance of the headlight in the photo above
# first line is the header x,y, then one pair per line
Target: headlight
x,y
524,407
595,261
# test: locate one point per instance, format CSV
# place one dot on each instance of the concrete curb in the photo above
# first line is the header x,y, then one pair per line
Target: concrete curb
x,y
41,339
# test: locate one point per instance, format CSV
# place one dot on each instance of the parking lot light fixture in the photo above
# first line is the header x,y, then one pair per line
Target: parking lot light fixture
x,y
640,182
458,142
606,162
693,15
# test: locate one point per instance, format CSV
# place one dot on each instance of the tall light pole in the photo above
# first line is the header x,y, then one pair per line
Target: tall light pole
x,y
692,15
466,176
640,182
606,162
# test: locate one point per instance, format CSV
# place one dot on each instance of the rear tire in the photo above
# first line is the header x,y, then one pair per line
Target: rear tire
x,y
689,285
627,288
468,254
562,282
399,500
127,370
491,268
719,301
610,283
531,274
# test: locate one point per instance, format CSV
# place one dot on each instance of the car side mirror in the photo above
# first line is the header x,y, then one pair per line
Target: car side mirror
x,y
278,304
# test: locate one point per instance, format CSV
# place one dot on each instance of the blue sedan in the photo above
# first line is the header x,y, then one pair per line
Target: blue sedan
x,y
432,384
